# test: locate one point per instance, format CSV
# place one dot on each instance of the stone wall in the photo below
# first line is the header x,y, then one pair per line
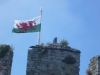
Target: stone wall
x,y
53,61
6,63
94,65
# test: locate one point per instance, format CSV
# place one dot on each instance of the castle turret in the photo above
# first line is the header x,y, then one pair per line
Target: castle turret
x,y
53,61
94,66
6,57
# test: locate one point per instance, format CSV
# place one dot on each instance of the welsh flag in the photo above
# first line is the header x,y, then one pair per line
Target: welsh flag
x,y
25,26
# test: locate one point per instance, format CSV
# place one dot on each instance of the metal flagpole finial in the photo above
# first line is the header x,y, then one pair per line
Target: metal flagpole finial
x,y
41,10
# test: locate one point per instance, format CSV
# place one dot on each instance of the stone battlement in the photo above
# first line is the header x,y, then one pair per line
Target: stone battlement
x,y
56,48
52,61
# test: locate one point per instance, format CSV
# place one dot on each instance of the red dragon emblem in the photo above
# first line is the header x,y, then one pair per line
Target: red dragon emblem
x,y
26,26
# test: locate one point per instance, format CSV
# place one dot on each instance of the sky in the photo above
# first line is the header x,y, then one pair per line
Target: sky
x,y
77,21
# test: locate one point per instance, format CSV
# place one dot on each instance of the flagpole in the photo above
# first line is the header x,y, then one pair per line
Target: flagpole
x,y
38,43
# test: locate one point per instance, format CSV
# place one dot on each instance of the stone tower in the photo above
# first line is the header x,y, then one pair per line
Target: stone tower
x,y
53,60
6,57
94,65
